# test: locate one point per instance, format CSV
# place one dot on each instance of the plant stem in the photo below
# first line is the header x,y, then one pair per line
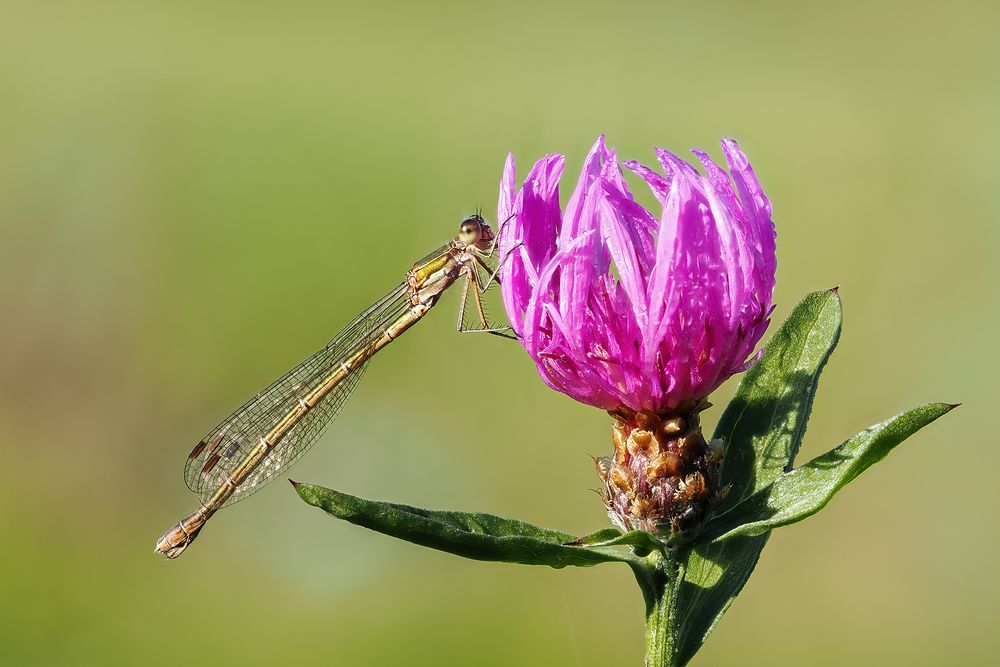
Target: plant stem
x,y
660,581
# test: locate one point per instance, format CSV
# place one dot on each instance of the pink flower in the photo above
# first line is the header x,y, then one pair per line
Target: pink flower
x,y
689,295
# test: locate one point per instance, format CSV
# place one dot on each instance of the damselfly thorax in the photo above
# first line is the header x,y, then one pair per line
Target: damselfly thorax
x,y
272,430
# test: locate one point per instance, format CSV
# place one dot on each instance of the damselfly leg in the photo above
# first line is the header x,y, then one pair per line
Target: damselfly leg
x,y
479,278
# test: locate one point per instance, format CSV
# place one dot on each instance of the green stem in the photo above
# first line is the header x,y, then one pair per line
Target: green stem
x,y
659,578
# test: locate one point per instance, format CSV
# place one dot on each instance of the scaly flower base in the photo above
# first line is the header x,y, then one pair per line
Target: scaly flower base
x,y
664,476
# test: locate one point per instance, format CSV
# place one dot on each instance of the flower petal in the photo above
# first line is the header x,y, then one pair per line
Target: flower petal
x,y
755,202
689,295
618,235
579,219
657,183
516,289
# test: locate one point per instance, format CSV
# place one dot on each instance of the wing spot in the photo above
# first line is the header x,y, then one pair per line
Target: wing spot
x,y
212,462
197,449
215,442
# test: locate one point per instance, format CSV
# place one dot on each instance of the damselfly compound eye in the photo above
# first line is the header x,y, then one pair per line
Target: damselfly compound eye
x,y
469,230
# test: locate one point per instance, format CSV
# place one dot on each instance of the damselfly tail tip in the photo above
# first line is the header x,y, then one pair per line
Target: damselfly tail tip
x,y
293,483
180,535
170,548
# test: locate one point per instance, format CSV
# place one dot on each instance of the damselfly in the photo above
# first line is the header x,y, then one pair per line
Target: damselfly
x,y
273,429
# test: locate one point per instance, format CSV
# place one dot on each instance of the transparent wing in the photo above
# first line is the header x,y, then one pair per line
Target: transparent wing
x,y
227,445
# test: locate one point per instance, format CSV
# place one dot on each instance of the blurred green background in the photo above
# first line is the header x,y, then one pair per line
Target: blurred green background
x,y
194,196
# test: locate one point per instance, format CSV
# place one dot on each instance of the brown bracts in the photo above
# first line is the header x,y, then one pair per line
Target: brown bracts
x,y
664,476
273,429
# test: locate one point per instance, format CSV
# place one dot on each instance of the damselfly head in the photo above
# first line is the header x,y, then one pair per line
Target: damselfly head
x,y
475,231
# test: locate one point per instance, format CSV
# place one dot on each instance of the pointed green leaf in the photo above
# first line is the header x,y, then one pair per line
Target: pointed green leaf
x,y
641,541
714,575
807,489
762,427
602,536
477,536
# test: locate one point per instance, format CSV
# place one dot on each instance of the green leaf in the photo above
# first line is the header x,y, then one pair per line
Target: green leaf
x,y
641,541
714,575
762,427
602,537
764,423
471,535
807,489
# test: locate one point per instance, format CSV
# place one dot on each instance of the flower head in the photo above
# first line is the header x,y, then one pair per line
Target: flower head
x,y
621,308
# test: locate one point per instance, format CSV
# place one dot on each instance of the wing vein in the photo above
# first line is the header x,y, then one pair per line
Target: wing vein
x,y
239,433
